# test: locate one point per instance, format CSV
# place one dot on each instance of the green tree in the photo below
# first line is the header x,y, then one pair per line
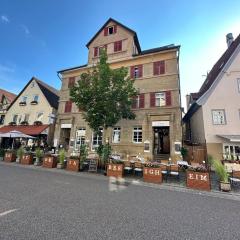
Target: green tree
x,y
104,95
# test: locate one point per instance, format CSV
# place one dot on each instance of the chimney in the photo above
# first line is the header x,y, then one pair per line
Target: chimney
x,y
229,38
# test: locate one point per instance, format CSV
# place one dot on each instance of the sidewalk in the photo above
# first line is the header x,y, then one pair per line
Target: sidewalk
x,y
170,186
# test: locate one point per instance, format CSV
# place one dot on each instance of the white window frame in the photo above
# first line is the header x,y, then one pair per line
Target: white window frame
x,y
238,83
36,95
99,140
81,138
229,153
116,137
38,114
224,117
160,99
24,97
137,130
136,72
16,118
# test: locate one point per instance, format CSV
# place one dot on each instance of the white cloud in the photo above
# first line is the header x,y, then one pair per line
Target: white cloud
x,y
5,19
25,29
7,69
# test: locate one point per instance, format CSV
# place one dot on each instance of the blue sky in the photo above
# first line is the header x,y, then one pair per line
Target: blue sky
x,y
38,38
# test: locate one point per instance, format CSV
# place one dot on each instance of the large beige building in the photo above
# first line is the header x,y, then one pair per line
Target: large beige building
x,y
213,117
33,111
156,131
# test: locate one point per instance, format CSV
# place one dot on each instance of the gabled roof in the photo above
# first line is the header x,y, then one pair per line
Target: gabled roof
x,y
123,26
219,65
51,94
212,76
10,96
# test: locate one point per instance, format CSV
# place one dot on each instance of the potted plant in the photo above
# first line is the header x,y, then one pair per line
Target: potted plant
x,y
223,176
27,158
10,156
49,161
38,154
104,152
2,152
20,153
152,173
198,178
184,152
73,163
83,156
62,155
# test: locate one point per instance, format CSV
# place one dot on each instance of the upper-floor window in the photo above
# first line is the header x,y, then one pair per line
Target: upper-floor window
x,y
24,99
138,101
137,134
97,139
15,118
118,46
110,30
68,107
39,116
238,82
35,98
116,135
136,71
218,117
98,50
159,68
160,99
71,82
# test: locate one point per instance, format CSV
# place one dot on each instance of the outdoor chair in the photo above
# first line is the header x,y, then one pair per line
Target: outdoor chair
x,y
128,167
138,169
235,178
174,171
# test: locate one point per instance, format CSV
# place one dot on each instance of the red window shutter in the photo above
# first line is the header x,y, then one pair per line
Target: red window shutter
x,y
132,72
71,82
115,46
140,70
105,31
141,103
168,98
134,102
95,51
115,28
162,67
68,106
152,99
120,46
156,68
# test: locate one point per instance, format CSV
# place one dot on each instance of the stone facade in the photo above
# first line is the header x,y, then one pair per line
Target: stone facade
x,y
70,123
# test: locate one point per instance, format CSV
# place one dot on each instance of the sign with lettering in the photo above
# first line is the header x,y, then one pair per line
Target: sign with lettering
x,y
49,162
115,170
160,124
9,157
198,180
153,175
27,159
92,165
73,165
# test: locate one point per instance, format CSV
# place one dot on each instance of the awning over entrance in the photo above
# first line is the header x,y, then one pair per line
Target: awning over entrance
x,y
32,130
231,138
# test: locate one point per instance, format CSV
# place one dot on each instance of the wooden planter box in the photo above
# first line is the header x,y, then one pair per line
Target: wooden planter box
x,y
198,180
49,162
115,170
9,157
152,175
73,165
27,159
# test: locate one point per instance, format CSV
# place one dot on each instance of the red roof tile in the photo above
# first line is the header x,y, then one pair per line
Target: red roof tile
x,y
32,130
10,96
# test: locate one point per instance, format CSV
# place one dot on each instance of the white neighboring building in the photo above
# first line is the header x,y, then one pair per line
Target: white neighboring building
x,y
213,116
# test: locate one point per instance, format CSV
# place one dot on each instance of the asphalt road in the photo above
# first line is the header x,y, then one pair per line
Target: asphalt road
x,y
42,204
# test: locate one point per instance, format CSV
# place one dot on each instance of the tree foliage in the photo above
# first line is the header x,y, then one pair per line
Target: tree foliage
x,y
104,95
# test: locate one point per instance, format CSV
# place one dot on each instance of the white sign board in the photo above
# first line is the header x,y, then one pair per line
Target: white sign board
x,y
66,125
160,124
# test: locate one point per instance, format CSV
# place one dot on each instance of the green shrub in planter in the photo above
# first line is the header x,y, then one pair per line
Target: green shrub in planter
x,y
62,155
39,155
20,153
223,175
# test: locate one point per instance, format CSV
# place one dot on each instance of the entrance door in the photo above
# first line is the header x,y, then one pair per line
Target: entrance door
x,y
161,140
65,137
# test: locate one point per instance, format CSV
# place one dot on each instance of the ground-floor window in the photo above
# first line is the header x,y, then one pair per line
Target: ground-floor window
x,y
97,139
137,134
116,135
80,138
231,151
